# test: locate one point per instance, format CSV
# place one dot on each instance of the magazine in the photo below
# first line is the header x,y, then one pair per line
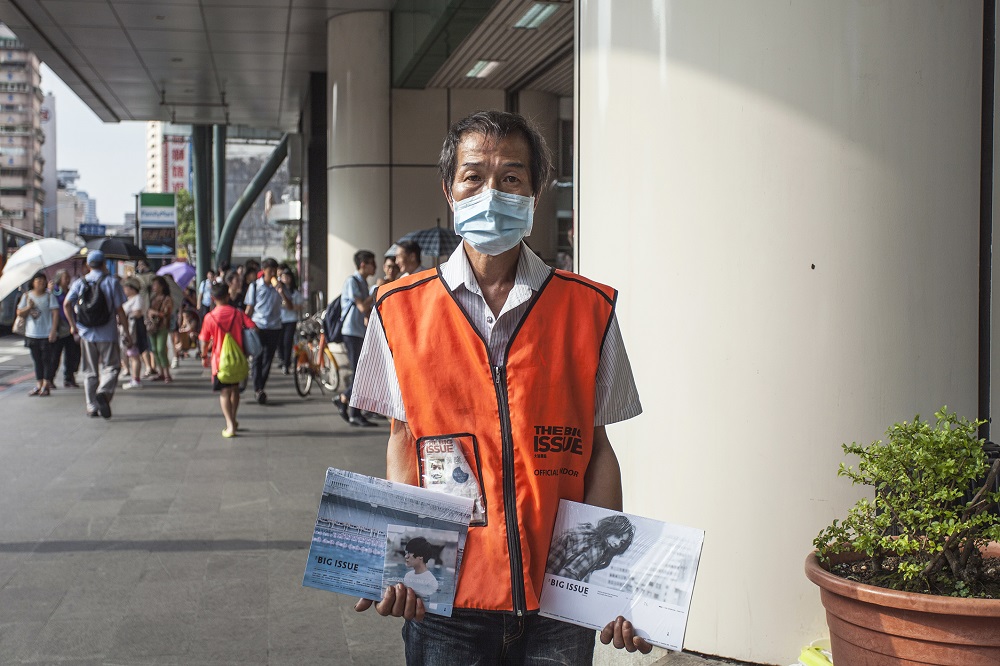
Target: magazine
x,y
349,549
605,563
445,467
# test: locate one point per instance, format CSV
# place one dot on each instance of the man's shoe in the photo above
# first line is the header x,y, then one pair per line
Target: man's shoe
x,y
70,383
131,385
285,370
261,398
341,408
174,362
361,422
103,406
93,415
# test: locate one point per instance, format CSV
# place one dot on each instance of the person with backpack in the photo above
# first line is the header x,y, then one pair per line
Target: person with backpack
x,y
222,333
93,307
356,301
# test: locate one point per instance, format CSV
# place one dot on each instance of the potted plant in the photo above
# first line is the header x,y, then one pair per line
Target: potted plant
x,y
911,575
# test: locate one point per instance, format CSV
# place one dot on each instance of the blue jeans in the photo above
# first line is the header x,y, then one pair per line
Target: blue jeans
x,y
480,638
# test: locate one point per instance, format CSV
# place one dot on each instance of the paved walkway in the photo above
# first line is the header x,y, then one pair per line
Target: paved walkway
x,y
150,539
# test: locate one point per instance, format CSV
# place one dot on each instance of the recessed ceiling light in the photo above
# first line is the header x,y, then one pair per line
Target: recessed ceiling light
x,y
160,17
177,60
482,69
536,15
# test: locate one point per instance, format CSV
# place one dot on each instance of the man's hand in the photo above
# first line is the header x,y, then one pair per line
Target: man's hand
x,y
622,634
397,601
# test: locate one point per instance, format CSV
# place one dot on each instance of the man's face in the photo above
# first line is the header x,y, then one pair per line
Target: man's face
x,y
404,261
390,268
269,274
141,267
483,163
411,560
367,268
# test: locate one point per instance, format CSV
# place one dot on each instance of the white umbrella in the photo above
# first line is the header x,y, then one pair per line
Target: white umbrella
x,y
31,258
43,253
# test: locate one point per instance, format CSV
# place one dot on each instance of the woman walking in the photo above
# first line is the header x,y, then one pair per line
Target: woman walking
x,y
67,348
39,308
291,304
135,311
161,310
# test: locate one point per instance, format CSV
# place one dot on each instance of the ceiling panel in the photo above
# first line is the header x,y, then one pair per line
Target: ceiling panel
x,y
158,15
260,19
81,13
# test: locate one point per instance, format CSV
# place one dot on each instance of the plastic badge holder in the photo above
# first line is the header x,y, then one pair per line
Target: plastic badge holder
x,y
450,464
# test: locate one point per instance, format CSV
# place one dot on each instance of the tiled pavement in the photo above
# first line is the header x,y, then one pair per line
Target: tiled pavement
x,y
150,539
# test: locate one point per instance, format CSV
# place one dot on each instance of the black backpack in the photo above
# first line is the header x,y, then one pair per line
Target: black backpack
x,y
92,309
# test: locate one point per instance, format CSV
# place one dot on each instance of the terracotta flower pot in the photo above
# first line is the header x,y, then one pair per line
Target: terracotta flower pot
x,y
873,626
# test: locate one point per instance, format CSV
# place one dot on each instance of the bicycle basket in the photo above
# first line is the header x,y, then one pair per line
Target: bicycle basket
x,y
309,329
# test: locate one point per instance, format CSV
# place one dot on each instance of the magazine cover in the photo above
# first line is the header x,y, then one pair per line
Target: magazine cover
x,y
348,550
446,465
605,563
424,560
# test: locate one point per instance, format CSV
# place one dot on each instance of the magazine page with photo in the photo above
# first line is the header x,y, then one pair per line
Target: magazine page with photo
x,y
426,561
348,553
604,563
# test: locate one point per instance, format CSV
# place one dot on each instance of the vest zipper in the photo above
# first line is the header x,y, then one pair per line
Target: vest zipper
x,y
510,494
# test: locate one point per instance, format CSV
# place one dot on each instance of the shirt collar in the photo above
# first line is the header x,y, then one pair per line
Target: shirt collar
x,y
531,271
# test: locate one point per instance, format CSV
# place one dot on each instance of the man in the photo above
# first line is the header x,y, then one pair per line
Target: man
x,y
408,258
390,271
355,305
99,347
205,293
263,306
499,346
415,555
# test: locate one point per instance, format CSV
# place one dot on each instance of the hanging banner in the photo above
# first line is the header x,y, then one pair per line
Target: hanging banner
x,y
158,224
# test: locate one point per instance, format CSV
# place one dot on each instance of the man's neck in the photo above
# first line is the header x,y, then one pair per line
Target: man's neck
x,y
492,271
419,568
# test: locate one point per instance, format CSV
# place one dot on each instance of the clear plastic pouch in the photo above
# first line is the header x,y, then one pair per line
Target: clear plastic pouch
x,y
450,464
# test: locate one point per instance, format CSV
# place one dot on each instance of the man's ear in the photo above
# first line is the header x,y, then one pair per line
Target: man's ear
x,y
447,196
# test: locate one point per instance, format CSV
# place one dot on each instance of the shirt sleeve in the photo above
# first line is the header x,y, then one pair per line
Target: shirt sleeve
x,y
207,329
616,396
118,294
53,302
376,386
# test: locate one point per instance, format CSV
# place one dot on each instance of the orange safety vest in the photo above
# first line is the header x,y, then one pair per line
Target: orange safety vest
x,y
532,417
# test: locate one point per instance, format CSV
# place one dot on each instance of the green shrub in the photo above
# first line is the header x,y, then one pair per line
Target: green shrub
x,y
919,532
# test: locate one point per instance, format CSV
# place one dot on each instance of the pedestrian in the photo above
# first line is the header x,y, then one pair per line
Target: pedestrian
x,y
66,349
158,318
355,305
145,276
93,307
390,271
408,258
40,308
224,318
263,306
291,309
498,345
205,293
135,308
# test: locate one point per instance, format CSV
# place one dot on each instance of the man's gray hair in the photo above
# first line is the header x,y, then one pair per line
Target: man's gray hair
x,y
497,125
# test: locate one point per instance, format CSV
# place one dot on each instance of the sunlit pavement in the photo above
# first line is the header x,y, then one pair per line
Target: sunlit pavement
x,y
151,539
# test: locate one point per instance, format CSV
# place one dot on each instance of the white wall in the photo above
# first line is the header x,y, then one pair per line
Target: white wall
x,y
786,194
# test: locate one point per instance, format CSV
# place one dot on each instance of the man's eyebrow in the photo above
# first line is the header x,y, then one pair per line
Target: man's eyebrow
x,y
519,165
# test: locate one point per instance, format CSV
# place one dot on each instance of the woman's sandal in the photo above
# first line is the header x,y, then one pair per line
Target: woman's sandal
x,y
35,391
44,393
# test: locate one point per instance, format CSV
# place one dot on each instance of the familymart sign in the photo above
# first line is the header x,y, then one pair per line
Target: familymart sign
x,y
158,224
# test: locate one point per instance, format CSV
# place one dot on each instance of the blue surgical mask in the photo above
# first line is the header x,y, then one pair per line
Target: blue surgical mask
x,y
493,222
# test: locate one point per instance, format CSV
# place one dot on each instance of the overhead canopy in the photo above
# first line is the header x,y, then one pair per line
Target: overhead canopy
x,y
247,62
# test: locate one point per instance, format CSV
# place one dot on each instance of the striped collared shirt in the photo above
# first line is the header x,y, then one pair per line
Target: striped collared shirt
x,y
376,387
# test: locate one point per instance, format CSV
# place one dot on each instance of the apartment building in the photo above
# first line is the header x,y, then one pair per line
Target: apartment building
x,y
21,186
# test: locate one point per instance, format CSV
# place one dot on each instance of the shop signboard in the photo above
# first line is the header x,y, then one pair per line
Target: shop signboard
x,y
158,224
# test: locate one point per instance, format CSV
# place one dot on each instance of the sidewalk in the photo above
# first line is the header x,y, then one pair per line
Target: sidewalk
x,y
150,539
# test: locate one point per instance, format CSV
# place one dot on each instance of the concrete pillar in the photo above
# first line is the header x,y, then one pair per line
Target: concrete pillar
x,y
358,160
787,196
201,142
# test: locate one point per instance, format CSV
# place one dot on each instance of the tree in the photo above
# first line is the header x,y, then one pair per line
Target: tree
x,y
185,221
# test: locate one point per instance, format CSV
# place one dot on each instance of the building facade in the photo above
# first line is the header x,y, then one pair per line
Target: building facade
x,y
21,186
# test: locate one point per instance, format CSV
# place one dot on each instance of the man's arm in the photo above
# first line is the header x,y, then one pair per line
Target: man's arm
x,y
70,315
602,484
401,465
363,300
249,300
123,322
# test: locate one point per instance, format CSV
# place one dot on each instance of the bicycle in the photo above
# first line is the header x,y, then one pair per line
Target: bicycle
x,y
313,359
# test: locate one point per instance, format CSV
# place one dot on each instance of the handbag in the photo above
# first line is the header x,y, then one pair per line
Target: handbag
x,y
153,321
251,342
20,325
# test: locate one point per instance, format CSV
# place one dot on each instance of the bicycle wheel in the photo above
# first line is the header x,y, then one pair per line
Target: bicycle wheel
x,y
329,371
303,373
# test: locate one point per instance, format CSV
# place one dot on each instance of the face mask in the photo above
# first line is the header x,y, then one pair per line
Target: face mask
x,y
493,222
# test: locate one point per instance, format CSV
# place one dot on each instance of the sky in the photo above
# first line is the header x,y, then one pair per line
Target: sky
x,y
111,157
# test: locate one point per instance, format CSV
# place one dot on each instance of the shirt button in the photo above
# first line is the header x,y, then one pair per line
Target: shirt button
x,y
489,320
